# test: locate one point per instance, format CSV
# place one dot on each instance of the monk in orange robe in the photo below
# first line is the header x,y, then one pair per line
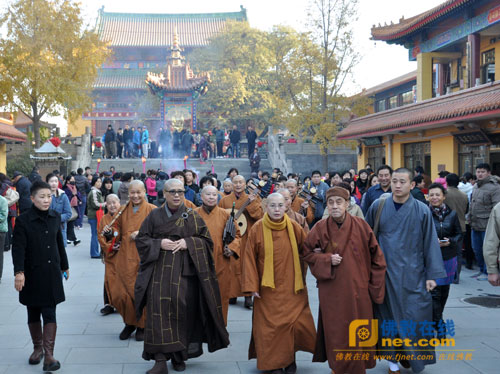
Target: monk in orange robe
x,y
121,290
273,272
106,234
216,218
252,213
298,204
344,256
299,218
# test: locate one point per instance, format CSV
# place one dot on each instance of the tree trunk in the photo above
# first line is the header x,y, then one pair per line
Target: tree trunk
x,y
36,132
324,161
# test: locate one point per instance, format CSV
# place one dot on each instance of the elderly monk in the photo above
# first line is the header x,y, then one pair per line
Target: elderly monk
x,y
109,247
272,271
121,290
299,218
216,219
344,256
298,204
252,213
177,284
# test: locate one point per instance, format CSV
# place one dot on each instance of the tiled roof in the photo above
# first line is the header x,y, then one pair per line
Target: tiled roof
x,y
407,26
408,77
157,30
177,79
121,78
8,131
472,103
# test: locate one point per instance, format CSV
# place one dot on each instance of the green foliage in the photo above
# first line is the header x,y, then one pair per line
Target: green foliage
x,y
48,59
21,163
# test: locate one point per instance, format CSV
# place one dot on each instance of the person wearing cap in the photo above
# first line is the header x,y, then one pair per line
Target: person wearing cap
x,y
344,256
22,185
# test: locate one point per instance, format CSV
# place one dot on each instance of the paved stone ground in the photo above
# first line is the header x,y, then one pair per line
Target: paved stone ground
x,y
88,343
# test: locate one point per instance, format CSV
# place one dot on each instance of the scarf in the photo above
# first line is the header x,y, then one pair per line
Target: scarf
x,y
440,211
268,228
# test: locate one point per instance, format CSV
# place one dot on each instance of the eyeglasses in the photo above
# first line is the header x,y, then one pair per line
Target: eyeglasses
x,y
175,192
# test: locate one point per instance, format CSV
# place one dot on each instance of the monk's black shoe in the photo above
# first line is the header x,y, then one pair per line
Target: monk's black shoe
x,y
179,366
405,364
139,334
108,309
126,332
232,300
160,367
248,302
291,369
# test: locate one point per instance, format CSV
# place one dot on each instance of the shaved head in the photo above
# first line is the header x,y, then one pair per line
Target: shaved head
x,y
275,206
111,197
173,183
238,178
136,192
136,183
208,189
287,196
209,196
275,196
291,182
112,203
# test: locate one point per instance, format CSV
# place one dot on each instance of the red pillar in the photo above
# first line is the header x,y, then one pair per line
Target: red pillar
x,y
474,41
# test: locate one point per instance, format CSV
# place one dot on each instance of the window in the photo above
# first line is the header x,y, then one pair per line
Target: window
x,y
488,66
407,98
376,156
469,157
417,154
380,107
393,102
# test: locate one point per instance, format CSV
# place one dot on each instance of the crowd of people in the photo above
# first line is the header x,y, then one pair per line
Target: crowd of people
x,y
136,142
179,249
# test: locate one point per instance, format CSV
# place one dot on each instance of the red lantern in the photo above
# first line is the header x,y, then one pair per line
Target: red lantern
x,y
55,141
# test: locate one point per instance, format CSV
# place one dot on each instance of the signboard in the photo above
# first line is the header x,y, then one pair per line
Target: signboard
x,y
377,140
472,137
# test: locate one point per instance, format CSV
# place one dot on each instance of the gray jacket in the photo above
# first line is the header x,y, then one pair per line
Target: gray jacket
x,y
485,195
458,201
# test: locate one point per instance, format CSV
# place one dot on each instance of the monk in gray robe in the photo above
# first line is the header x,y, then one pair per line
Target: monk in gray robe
x,y
405,232
177,284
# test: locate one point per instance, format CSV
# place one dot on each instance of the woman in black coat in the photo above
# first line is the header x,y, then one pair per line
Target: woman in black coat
x,y
40,262
449,234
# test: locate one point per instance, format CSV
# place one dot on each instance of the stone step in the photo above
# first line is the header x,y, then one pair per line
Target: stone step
x,y
221,166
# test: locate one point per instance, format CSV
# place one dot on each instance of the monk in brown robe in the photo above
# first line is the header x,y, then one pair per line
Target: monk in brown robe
x,y
106,235
344,256
177,284
216,219
282,322
252,213
298,204
121,290
299,218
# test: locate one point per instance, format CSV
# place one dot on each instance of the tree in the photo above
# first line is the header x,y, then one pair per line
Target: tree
x,y
238,60
48,59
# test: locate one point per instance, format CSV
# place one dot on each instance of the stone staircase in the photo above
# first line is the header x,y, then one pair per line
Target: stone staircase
x,y
221,166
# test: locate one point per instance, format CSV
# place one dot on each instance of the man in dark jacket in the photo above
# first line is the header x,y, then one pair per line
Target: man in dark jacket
x,y
165,142
22,185
251,137
119,143
219,138
127,140
255,161
416,188
82,186
235,138
187,141
110,142
384,174
34,176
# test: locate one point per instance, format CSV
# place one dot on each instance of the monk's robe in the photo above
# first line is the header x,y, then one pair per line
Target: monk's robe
x,y
407,237
216,222
253,213
346,291
126,260
300,219
110,268
189,204
282,322
297,205
179,290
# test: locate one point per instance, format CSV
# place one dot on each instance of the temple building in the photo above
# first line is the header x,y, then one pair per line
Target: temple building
x,y
142,43
8,135
454,123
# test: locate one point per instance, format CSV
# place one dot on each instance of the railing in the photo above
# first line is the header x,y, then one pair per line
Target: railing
x,y
277,158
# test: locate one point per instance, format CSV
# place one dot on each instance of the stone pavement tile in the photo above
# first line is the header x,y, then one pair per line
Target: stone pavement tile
x,y
237,350
104,356
19,356
69,369
192,367
3,368
303,367
485,366
238,326
91,341
106,326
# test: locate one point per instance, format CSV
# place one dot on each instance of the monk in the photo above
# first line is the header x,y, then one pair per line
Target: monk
x,y
216,218
282,322
121,290
299,218
298,204
177,284
252,213
109,247
344,256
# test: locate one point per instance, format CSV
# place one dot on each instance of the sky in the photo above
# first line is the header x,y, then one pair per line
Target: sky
x,y
380,61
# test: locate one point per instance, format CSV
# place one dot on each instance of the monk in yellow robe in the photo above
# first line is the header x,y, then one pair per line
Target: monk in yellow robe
x,y
216,218
121,291
273,272
298,204
252,213
299,218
